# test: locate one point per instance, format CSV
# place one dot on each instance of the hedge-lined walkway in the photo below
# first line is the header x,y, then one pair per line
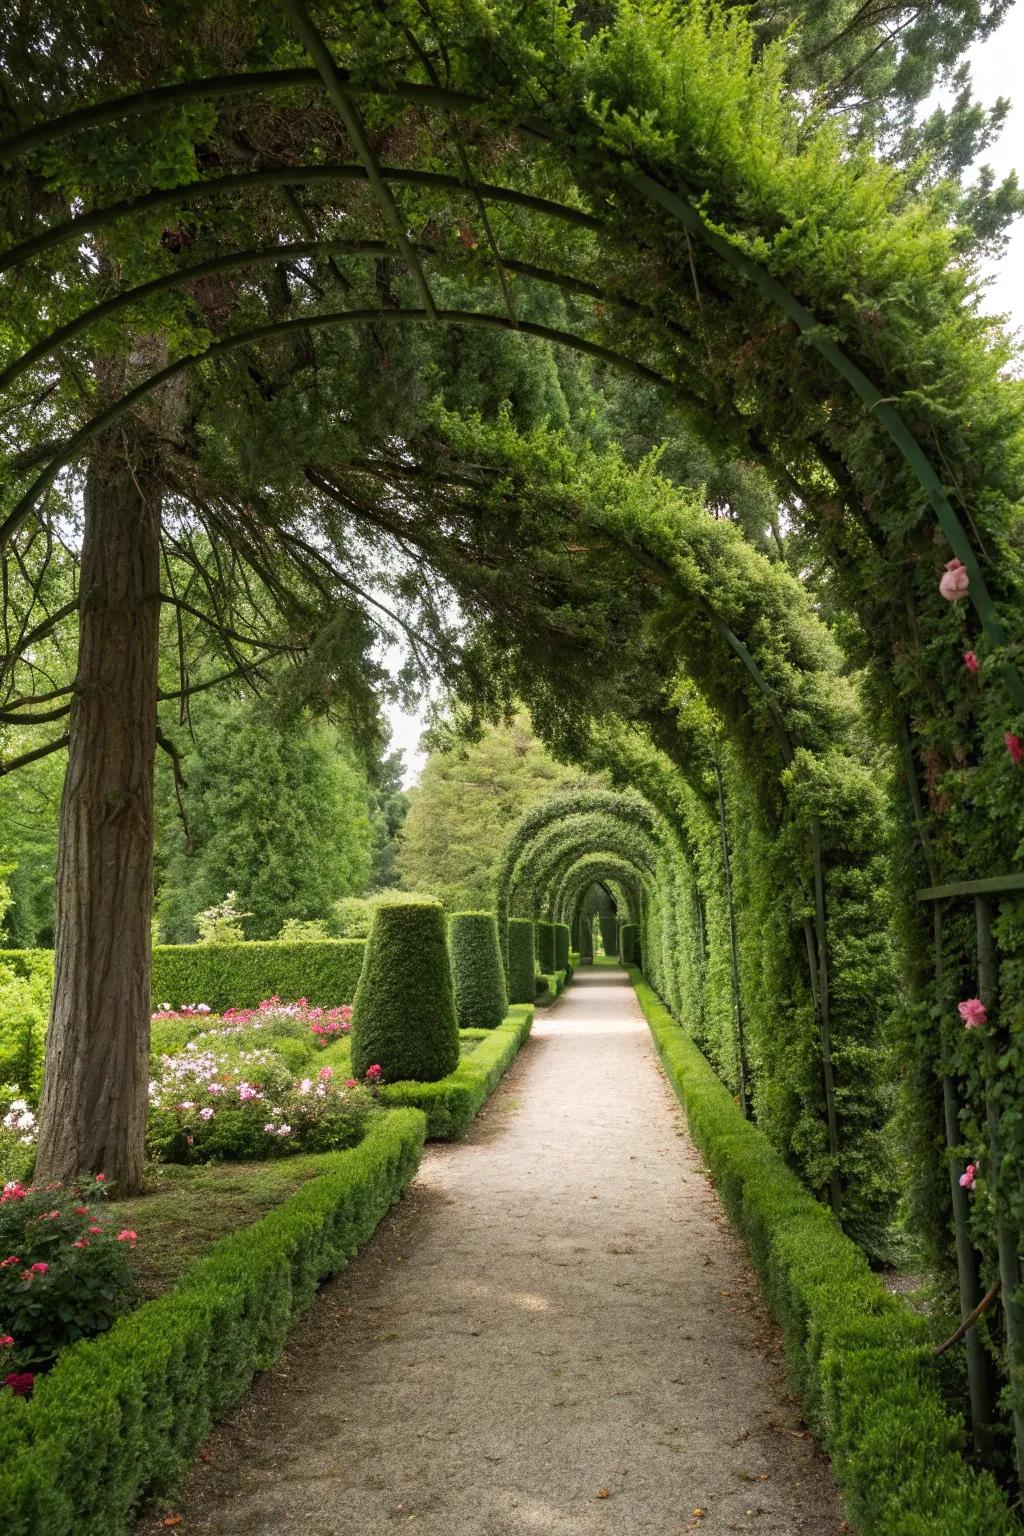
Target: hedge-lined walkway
x,y
557,1310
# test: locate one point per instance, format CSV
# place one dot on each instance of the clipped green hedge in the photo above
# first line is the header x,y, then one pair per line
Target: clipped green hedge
x,y
629,943
546,947
451,1104
119,1416
563,939
549,986
522,960
481,1001
403,1017
861,1361
324,971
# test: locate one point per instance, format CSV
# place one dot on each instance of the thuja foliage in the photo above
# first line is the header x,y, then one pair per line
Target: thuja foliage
x,y
403,1016
522,960
562,941
481,1000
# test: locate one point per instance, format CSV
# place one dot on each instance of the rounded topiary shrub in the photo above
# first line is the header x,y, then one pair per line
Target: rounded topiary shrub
x,y
481,1001
562,937
522,960
403,1017
546,947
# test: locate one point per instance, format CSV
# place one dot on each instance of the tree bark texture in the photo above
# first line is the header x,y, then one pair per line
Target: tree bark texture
x,y
93,1112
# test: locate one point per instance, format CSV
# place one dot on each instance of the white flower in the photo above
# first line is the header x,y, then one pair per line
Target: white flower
x,y
270,1128
284,1130
202,1008
305,1085
167,1006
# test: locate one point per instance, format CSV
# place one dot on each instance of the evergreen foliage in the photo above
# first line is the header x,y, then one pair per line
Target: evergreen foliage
x,y
451,1104
545,946
403,1017
522,960
562,940
280,815
478,975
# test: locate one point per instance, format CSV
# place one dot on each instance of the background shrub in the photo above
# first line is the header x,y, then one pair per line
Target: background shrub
x,y
24,1007
403,1018
324,971
522,960
478,976
628,943
546,947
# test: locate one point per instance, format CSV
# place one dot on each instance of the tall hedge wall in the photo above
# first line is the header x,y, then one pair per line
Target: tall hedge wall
x,y
403,1018
522,960
324,971
481,1001
546,947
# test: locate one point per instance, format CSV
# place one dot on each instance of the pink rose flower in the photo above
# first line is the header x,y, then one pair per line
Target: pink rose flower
x,y
1014,746
967,1177
955,582
970,661
14,1259
206,1114
127,1236
6,1341
101,1178
40,1269
972,1012
20,1383
83,1242
325,1074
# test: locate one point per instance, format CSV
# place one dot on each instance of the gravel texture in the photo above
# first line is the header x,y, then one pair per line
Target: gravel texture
x,y
556,1334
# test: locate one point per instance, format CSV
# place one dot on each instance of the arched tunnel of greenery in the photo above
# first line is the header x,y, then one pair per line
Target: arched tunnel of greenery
x,y
508,331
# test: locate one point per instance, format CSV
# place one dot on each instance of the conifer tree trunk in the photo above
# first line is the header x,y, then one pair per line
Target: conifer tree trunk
x,y
93,1112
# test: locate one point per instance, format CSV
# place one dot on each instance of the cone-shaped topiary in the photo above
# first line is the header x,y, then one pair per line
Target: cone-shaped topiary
x,y
561,946
546,947
403,1017
481,1001
522,960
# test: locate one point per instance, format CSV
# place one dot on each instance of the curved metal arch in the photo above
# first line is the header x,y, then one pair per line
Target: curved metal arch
x,y
587,867
279,176
551,843
608,847
594,867
104,419
548,810
683,212
256,256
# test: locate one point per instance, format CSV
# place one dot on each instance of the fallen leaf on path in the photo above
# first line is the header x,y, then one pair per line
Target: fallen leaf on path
x,y
172,1520
603,1493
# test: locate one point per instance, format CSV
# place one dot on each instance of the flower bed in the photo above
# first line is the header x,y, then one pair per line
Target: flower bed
x,y
452,1102
861,1361
216,1100
118,1417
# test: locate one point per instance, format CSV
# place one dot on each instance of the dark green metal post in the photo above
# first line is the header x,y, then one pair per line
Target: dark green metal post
x,y
1006,1237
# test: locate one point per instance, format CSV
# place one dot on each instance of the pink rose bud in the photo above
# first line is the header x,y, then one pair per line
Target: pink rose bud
x,y
970,661
967,1177
972,1012
955,582
1014,746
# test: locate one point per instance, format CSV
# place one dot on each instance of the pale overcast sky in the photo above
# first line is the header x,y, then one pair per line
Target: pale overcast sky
x,y
996,67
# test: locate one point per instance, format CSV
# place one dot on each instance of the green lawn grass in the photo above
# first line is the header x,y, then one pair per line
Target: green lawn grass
x,y
185,1210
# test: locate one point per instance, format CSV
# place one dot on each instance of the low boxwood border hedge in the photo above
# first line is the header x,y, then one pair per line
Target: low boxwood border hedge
x,y
550,984
451,1104
859,1358
119,1417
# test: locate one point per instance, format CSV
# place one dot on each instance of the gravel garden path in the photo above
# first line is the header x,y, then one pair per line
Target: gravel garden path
x,y
556,1334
